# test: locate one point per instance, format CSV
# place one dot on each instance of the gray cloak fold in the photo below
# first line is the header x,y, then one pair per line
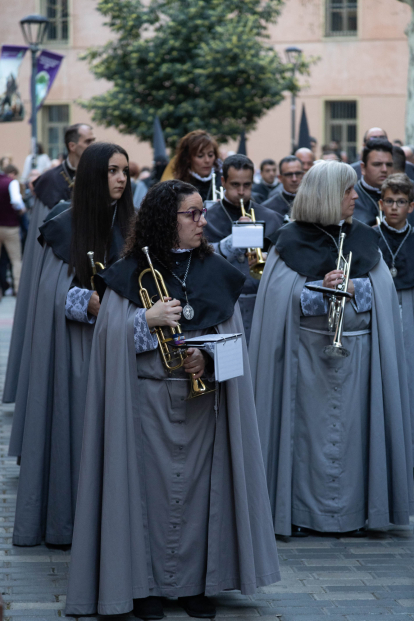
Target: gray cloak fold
x,y
113,555
48,423
406,299
288,353
28,283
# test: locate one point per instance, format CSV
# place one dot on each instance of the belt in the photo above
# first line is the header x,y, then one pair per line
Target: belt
x,y
326,333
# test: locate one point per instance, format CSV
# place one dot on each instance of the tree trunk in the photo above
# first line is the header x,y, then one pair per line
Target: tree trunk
x,y
409,114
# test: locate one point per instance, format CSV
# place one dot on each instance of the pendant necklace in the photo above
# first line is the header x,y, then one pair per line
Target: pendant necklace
x,y
65,174
188,310
329,235
393,269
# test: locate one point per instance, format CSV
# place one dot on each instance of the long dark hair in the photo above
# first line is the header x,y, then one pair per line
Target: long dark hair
x,y
92,211
189,146
156,225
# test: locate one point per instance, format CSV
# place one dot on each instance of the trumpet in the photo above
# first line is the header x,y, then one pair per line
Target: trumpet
x,y
256,270
93,268
337,303
215,194
173,358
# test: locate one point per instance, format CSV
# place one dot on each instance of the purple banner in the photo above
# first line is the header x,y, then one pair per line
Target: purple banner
x,y
11,103
48,64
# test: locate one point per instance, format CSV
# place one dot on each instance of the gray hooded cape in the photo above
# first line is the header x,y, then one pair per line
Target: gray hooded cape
x,y
50,188
28,283
48,420
112,561
276,345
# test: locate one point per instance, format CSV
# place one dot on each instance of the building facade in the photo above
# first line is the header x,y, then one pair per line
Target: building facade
x,y
358,80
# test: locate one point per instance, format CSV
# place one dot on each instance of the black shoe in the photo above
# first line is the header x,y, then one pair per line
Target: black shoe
x,y
148,608
299,531
198,606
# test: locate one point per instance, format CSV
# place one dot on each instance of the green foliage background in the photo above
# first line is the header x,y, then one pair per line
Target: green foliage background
x,y
194,63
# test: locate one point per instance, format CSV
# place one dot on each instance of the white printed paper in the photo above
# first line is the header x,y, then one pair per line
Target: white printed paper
x,y
247,235
228,353
228,359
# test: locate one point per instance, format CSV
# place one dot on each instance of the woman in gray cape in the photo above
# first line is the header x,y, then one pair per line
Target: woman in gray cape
x,y
335,432
48,419
172,494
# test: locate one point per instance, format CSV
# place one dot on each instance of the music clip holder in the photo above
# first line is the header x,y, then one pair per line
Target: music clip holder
x,y
329,292
248,234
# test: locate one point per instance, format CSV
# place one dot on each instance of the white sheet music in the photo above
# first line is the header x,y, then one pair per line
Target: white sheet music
x,y
247,235
228,353
228,359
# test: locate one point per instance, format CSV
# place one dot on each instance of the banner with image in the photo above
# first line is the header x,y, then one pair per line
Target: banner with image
x,y
48,64
11,103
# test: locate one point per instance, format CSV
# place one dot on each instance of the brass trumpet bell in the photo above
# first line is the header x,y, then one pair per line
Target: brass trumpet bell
x,y
198,389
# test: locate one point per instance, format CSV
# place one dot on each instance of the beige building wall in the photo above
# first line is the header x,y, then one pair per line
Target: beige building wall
x,y
370,68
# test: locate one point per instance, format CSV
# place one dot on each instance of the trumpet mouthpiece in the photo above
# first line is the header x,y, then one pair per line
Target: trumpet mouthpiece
x,y
145,249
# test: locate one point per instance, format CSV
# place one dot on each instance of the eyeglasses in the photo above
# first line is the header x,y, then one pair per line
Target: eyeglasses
x,y
401,202
196,213
293,174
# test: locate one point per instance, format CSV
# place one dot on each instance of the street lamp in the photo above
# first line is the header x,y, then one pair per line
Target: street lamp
x,y
34,28
293,55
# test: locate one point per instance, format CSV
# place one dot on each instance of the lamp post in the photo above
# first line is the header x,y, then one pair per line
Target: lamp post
x,y
34,28
293,55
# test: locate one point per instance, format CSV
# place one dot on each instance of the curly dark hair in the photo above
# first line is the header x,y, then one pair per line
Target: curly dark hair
x,y
189,146
155,224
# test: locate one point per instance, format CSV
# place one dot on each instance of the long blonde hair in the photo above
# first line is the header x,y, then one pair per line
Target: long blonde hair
x,y
320,194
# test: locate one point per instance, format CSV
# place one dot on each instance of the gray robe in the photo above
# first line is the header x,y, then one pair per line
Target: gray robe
x,y
48,420
335,434
28,285
406,300
141,528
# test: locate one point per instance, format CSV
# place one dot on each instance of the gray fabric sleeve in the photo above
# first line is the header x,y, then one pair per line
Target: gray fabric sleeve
x,y
143,339
313,302
362,300
76,305
225,248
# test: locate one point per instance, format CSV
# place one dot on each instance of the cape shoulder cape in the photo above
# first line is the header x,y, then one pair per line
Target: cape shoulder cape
x,y
275,343
110,562
57,233
52,187
312,253
213,287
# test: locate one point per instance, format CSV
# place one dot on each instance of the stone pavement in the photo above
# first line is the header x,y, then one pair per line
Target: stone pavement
x,y
341,579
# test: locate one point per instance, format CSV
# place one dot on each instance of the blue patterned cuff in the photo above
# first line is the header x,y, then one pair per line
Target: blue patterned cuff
x,y
362,301
143,339
312,302
76,305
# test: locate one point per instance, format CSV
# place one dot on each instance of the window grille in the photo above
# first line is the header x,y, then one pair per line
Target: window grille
x,y
55,122
341,18
57,12
341,125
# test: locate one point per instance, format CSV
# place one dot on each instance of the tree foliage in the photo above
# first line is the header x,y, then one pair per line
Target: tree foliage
x,y
194,63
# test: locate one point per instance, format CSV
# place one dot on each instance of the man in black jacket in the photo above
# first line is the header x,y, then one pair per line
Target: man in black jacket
x,y
377,164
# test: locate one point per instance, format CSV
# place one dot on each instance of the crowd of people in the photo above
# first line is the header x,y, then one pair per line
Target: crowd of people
x,y
164,481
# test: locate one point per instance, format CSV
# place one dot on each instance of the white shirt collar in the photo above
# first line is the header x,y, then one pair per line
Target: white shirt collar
x,y
391,228
369,187
202,178
179,250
